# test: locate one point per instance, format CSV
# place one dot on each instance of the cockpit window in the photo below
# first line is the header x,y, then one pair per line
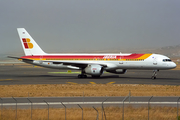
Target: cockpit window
x,y
166,60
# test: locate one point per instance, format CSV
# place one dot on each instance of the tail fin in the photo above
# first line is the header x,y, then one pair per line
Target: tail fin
x,y
30,47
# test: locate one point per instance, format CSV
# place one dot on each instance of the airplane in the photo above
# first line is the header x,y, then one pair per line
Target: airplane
x,y
91,64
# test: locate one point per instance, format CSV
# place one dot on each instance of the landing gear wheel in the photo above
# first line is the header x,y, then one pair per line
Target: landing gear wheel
x,y
79,76
82,76
95,76
154,74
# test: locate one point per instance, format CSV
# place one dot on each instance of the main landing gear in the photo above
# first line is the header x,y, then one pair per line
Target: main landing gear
x,y
154,74
82,75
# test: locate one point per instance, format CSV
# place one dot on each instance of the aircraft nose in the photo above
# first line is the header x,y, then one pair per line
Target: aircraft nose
x,y
173,65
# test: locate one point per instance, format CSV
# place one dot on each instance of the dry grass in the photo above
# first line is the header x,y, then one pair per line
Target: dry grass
x,y
88,89
112,113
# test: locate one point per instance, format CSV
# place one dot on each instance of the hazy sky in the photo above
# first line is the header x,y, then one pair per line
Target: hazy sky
x,y
87,25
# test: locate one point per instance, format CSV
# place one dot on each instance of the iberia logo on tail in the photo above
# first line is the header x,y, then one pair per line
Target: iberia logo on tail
x,y
27,43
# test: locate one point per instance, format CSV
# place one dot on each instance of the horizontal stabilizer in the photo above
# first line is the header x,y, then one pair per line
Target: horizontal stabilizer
x,y
22,59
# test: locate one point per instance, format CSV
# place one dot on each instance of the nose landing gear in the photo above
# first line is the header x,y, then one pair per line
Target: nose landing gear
x,y
154,74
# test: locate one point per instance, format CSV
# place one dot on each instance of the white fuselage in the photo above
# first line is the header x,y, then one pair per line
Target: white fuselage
x,y
154,61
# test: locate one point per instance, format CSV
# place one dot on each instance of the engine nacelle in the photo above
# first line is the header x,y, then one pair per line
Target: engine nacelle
x,y
94,70
117,71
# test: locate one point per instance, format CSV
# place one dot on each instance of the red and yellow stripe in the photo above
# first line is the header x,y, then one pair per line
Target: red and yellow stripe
x,y
89,57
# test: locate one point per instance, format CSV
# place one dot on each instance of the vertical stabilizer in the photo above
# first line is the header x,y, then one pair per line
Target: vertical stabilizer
x,y
30,47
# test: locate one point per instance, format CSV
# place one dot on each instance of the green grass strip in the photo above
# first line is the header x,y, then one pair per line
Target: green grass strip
x,y
64,72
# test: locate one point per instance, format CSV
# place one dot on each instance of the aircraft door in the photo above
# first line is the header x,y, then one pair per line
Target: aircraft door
x,y
41,58
121,61
154,61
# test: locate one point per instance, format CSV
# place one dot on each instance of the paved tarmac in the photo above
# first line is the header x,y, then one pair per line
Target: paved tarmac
x,y
56,102
18,74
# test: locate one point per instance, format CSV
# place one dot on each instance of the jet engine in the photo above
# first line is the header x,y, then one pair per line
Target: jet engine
x,y
94,70
117,71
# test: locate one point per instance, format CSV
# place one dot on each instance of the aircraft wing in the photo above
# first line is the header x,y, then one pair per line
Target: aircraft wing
x,y
75,64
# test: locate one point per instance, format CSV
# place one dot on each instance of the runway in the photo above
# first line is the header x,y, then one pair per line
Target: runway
x,y
18,74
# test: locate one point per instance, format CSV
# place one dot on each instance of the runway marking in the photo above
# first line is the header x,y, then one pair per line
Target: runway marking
x,y
110,83
69,71
5,79
92,82
72,83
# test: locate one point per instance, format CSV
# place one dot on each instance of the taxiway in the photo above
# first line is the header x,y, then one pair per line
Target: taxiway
x,y
22,74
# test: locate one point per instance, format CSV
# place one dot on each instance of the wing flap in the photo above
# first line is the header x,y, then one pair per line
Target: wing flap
x,y
81,65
